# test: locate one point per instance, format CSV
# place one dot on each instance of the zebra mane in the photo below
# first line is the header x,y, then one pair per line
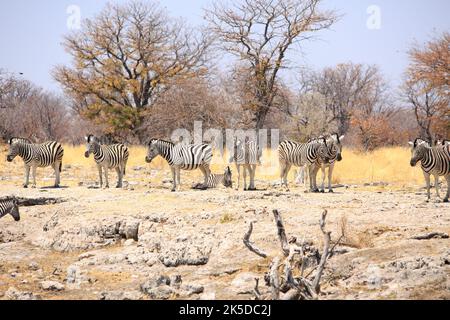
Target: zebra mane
x,y
10,198
16,139
160,141
91,138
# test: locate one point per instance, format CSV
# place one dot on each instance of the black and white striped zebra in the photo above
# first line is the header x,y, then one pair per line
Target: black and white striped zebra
x,y
10,206
107,157
248,156
434,161
181,157
215,180
37,155
334,145
300,154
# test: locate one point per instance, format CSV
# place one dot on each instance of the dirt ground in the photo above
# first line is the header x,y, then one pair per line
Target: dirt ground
x,y
131,243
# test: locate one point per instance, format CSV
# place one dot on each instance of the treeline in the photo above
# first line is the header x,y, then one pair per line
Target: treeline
x,y
137,73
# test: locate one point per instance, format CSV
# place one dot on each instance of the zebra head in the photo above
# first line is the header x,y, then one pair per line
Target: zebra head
x,y
13,209
335,146
418,149
91,145
323,153
236,145
14,147
154,149
227,179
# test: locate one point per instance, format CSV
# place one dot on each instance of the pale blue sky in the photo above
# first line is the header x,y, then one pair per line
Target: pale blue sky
x,y
31,33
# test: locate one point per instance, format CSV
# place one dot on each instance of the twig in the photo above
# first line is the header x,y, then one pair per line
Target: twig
x,y
274,279
250,245
281,233
256,290
323,259
431,235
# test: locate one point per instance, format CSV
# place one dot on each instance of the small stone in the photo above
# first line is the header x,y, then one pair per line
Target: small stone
x,y
33,266
52,286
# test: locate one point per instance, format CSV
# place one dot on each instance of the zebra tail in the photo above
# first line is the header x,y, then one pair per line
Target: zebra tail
x,y
60,167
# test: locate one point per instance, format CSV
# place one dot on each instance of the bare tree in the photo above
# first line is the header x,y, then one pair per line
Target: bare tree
x,y
260,33
426,86
124,58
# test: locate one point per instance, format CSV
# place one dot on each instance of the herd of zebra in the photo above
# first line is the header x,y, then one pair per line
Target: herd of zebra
x,y
319,153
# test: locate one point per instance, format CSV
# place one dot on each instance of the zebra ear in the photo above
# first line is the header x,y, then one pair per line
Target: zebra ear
x,y
411,143
341,137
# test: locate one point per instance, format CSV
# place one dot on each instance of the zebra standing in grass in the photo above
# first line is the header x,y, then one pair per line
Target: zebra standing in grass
x,y
434,161
334,145
10,206
215,180
108,157
181,157
37,155
246,155
301,154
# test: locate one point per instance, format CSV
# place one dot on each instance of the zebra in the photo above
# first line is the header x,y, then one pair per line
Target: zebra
x,y
334,145
107,157
10,206
246,155
434,161
214,180
442,142
301,154
37,155
181,157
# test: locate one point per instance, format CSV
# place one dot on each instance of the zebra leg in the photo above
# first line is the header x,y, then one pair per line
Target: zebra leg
x,y
447,177
238,169
100,174
330,176
27,176
57,173
244,173
427,181
313,169
178,177
174,181
34,176
105,169
436,185
252,169
119,177
206,173
322,187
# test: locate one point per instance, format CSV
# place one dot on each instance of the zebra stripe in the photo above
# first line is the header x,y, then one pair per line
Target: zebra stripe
x,y
215,180
37,155
434,161
181,157
10,206
246,155
300,154
108,157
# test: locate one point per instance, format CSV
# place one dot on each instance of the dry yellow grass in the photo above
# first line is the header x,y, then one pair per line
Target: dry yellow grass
x,y
390,165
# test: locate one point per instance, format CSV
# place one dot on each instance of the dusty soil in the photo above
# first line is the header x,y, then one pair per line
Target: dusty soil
x,y
144,242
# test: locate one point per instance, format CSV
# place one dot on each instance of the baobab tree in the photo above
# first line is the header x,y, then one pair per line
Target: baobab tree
x,y
261,33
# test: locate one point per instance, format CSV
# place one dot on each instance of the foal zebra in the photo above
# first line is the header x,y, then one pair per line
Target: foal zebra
x,y
108,157
246,155
36,155
181,157
215,180
434,161
10,206
301,154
